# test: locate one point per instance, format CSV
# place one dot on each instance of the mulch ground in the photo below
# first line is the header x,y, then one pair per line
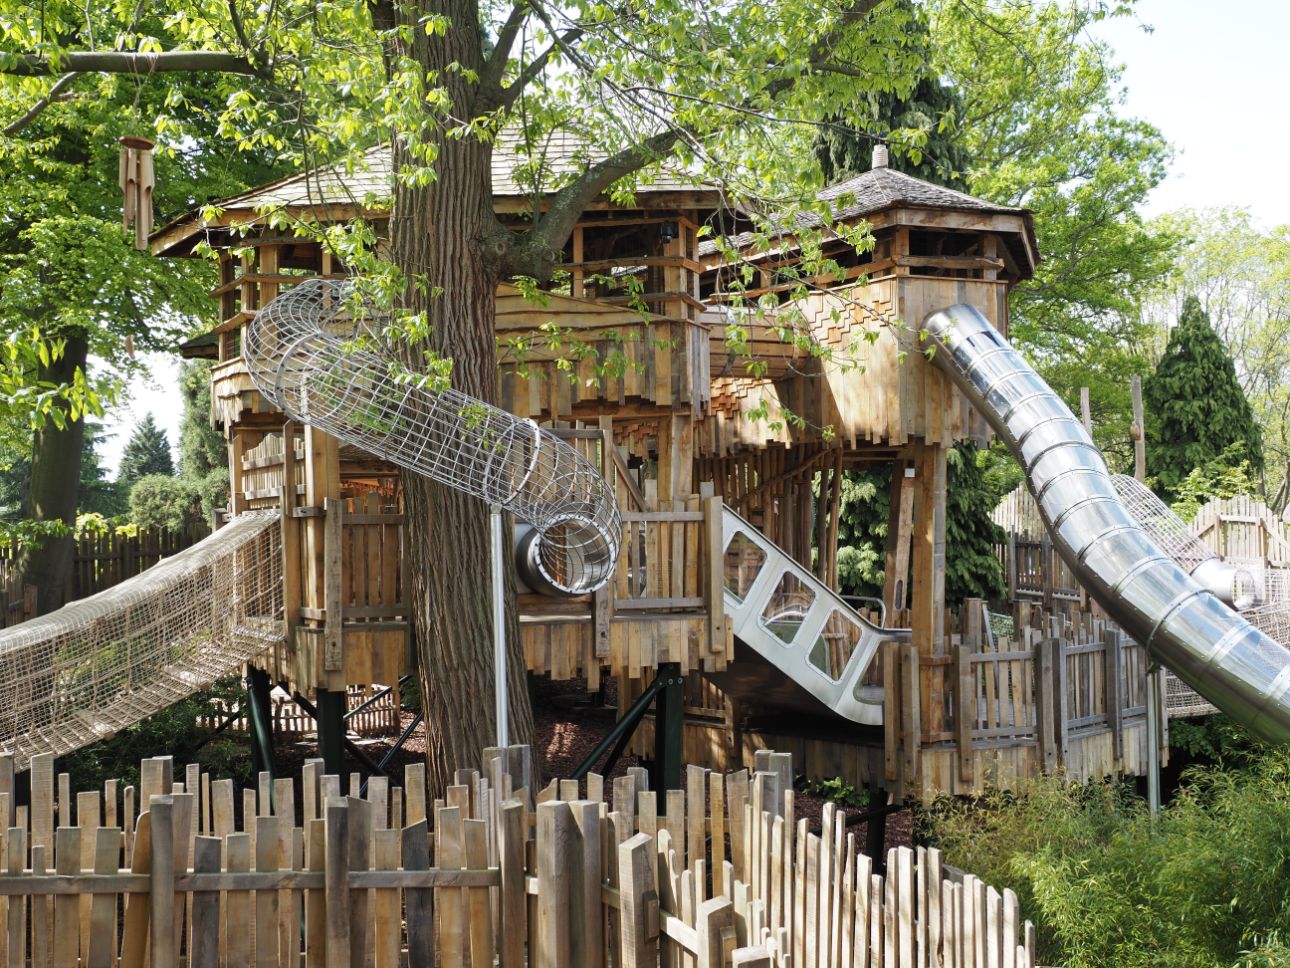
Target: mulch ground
x,y
569,722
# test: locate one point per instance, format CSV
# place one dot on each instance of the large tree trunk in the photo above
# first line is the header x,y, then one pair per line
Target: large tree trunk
x,y
444,237
55,487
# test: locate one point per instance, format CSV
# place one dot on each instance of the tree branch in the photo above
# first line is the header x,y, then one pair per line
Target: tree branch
x,y
490,78
535,254
59,86
534,67
129,62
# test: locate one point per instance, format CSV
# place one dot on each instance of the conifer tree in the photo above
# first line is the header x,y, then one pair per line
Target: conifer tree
x,y
1195,407
146,452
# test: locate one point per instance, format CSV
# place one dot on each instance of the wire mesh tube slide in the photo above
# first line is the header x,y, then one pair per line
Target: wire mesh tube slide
x,y
307,351
1175,614
803,646
79,674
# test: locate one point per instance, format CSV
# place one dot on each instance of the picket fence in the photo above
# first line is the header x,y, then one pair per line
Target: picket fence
x,y
323,870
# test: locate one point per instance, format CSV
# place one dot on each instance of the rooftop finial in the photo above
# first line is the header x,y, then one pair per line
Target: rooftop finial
x,y
879,156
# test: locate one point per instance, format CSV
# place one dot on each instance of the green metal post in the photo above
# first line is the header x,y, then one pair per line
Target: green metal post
x,y
668,726
331,730
258,693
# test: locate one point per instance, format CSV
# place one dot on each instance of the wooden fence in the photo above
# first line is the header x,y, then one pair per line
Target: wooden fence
x,y
379,718
324,871
100,561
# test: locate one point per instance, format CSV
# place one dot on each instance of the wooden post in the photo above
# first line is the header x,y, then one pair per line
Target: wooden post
x,y
900,519
161,871
1086,413
1062,705
713,511
639,916
1139,430
964,709
291,577
912,681
1046,703
603,600
332,557
928,600
1113,659
554,839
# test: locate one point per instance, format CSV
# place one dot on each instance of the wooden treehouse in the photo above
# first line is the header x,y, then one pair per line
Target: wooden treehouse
x,y
721,499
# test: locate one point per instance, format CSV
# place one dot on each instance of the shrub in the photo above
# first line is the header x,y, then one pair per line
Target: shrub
x,y
1204,885
213,490
158,501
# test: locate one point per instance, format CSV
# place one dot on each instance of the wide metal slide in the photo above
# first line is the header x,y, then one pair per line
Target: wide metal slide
x,y
802,647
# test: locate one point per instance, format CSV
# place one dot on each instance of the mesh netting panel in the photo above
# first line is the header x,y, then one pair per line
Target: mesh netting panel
x,y
300,353
1161,524
1182,701
83,672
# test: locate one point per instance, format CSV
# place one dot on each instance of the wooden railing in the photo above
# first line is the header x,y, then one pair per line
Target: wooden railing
x,y
583,874
1069,677
380,717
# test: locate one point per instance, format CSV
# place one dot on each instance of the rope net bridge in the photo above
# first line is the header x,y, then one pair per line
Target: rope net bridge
x,y
77,675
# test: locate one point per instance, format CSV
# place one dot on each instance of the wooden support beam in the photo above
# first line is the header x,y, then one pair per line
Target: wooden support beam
x,y
927,603
900,522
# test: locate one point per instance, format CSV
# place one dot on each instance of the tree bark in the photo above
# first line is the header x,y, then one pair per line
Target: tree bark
x,y
55,487
447,240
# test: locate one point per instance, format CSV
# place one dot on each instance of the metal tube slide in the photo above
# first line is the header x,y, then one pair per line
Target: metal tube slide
x,y
305,352
1181,622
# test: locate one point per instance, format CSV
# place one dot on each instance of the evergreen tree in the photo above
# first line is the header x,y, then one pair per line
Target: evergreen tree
x,y
932,107
146,452
1195,408
201,449
972,568
98,494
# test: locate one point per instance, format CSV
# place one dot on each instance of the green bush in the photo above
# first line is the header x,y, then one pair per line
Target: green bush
x,y
158,501
1205,885
213,491
173,732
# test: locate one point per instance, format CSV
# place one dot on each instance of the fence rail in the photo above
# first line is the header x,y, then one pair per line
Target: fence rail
x,y
577,874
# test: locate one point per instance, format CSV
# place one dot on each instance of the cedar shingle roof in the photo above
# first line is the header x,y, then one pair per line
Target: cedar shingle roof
x,y
555,158
875,191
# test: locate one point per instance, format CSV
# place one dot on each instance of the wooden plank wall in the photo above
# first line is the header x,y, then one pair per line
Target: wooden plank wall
x,y
876,387
586,874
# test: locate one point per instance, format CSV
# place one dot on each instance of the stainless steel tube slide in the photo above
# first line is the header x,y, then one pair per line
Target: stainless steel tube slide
x,y
1181,622
307,352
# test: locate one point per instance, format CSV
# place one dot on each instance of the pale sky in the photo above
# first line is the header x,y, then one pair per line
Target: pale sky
x,y
1213,79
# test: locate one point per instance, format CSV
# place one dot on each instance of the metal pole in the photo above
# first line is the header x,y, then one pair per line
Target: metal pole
x,y
1153,741
499,628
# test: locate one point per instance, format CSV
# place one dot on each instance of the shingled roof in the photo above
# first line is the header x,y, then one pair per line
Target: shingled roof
x,y
557,157
883,189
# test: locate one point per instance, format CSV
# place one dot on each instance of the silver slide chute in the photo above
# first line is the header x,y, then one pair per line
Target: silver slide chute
x,y
307,352
1180,620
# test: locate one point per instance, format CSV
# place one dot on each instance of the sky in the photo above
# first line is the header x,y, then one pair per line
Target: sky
x,y
1212,81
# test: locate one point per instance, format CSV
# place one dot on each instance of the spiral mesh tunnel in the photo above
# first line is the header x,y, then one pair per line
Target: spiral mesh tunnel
x,y
79,674
301,354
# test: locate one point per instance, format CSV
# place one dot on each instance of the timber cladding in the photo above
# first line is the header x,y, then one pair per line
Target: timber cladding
x,y
329,870
876,386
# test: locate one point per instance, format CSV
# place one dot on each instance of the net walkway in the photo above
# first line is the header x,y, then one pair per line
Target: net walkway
x,y
77,675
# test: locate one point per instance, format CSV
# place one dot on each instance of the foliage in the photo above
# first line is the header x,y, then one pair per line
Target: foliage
x,y
201,449
98,494
173,731
158,501
835,790
1227,475
972,567
1241,275
213,492
932,108
1107,887
147,452
1215,738
1195,407
1043,125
